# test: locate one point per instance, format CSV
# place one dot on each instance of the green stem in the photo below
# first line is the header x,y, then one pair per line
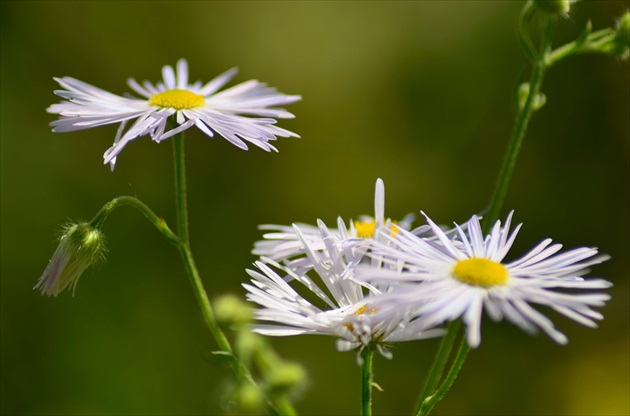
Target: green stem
x,y
496,203
518,133
285,407
202,298
184,245
241,371
366,382
159,223
593,44
441,358
458,362
180,189
523,34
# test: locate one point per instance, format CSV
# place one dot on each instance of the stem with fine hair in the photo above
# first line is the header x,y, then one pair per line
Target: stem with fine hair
x,y
180,189
279,406
522,121
440,361
159,223
366,381
458,362
184,245
496,202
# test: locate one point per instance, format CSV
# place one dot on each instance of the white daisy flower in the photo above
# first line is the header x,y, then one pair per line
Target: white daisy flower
x,y
283,244
243,113
448,281
354,317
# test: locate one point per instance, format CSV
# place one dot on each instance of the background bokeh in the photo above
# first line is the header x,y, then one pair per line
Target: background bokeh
x,y
416,93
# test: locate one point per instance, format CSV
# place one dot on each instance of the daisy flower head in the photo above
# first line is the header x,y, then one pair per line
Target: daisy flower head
x,y
283,244
448,280
242,113
349,310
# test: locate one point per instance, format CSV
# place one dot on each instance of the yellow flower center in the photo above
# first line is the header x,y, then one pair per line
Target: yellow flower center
x,y
360,311
480,272
365,229
177,99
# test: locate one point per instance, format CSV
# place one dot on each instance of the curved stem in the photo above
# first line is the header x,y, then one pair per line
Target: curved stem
x,y
441,358
518,133
593,43
242,372
429,402
366,382
159,223
202,298
496,203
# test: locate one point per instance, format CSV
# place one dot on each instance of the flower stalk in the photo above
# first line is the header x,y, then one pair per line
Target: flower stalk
x,y
439,363
280,406
428,400
366,381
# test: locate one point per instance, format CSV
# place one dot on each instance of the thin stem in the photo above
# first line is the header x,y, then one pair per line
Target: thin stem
x,y
184,244
441,358
496,203
593,43
523,34
458,362
366,382
241,371
518,133
180,188
159,223
202,298
285,407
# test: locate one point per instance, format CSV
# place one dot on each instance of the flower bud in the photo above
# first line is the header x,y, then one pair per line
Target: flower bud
x,y
285,375
230,309
523,92
250,398
80,247
556,7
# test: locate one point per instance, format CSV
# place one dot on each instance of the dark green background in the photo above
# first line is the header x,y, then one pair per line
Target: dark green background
x,y
417,93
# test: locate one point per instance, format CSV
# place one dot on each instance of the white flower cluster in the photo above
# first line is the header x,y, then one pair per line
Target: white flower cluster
x,y
379,283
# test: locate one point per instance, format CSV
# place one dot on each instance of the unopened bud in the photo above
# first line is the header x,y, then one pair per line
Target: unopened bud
x,y
230,309
523,92
556,7
248,343
80,247
285,375
250,398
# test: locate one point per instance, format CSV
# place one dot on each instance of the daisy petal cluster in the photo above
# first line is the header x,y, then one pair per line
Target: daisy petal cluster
x,y
461,279
349,310
242,114
281,243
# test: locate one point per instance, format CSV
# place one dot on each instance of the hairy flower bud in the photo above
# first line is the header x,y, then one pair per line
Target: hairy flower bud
x,y
250,398
232,310
286,375
557,7
80,247
523,93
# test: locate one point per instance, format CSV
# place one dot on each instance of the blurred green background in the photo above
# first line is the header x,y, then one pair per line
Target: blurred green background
x,y
416,93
